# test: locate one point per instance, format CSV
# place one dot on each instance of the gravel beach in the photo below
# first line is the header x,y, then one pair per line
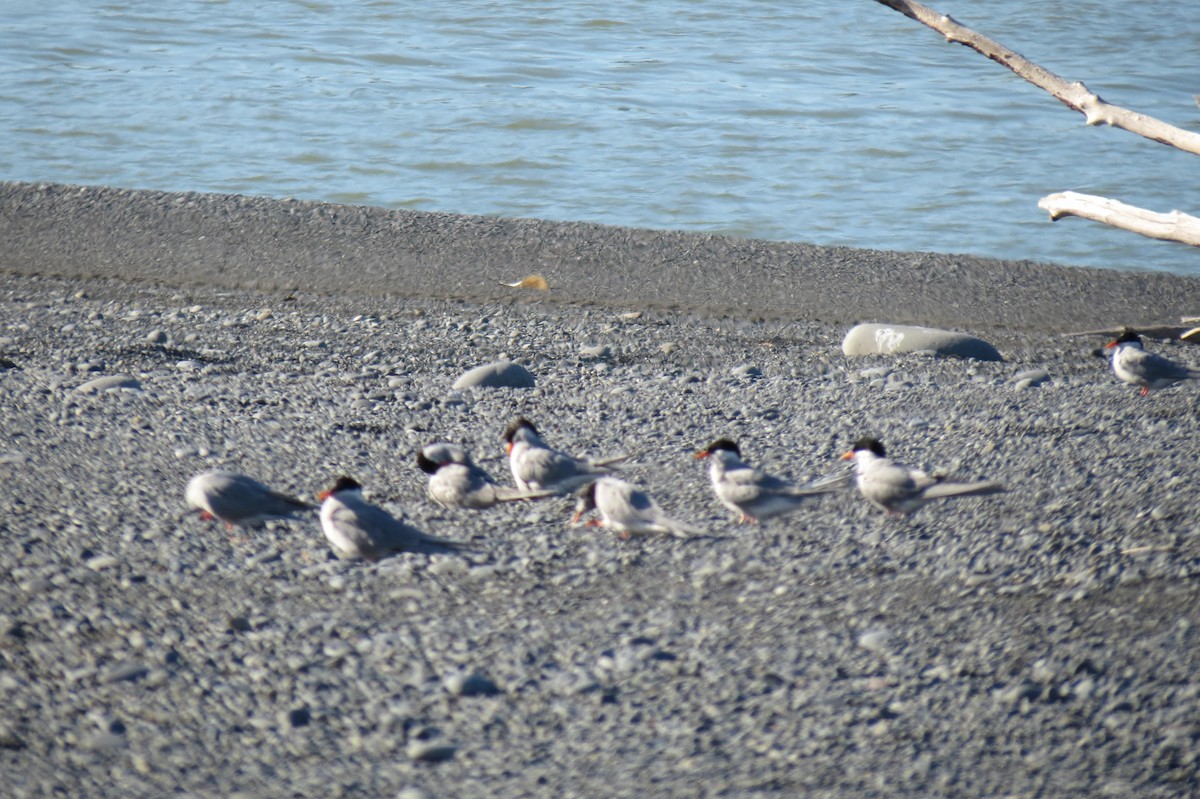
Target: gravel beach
x,y
1041,642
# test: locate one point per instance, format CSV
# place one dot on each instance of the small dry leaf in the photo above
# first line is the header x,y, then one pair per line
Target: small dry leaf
x,y
530,282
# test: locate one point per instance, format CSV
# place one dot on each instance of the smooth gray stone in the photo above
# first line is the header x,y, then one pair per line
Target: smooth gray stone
x,y
424,752
501,374
473,684
1031,377
122,672
747,370
109,383
884,339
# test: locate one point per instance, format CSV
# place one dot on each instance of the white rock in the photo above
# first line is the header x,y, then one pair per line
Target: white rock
x,y
501,374
875,640
885,339
109,383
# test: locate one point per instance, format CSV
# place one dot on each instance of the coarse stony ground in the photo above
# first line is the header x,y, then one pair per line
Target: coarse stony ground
x,y
1041,642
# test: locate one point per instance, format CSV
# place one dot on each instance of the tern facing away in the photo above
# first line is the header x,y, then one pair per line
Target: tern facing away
x,y
358,530
456,482
538,467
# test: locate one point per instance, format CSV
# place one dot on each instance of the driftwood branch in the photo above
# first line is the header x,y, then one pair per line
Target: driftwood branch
x,y
1158,331
1173,226
1072,94
1185,331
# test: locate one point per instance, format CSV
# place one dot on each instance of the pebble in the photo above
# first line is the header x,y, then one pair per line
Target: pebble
x,y
471,684
10,739
428,752
239,624
1034,377
102,562
746,370
875,640
413,793
296,718
501,374
109,383
103,742
124,672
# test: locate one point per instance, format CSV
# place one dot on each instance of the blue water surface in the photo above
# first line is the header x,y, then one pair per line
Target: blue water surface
x,y
832,122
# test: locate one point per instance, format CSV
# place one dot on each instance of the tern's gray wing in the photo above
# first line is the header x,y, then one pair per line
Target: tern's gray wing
x,y
459,485
375,533
821,485
646,515
763,496
771,483
480,488
744,485
237,498
548,468
945,489
826,483
743,478
605,463
629,508
1155,367
890,485
509,494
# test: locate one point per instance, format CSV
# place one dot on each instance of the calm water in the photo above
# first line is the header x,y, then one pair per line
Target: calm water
x,y
829,121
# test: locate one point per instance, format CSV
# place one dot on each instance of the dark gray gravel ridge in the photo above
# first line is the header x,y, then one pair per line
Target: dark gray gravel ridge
x,y
1042,642
233,241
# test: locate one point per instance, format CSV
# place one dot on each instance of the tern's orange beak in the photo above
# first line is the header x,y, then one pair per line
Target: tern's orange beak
x,y
849,456
508,448
702,454
1111,344
324,495
575,519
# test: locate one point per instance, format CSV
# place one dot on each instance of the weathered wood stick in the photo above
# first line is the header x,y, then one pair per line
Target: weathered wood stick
x,y
1173,226
1072,94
